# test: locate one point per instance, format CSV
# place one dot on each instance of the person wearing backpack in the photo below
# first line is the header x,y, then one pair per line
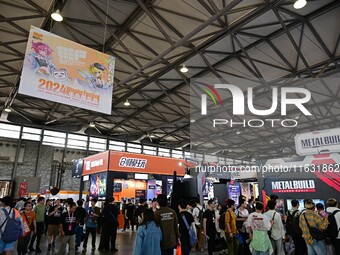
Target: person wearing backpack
x,y
230,228
198,217
293,228
333,230
241,224
313,227
10,226
277,232
186,227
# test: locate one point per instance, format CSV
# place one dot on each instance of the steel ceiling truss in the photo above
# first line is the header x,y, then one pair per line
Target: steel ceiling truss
x,y
165,108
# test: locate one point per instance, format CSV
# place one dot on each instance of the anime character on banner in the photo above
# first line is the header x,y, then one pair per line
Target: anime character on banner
x,y
94,78
40,59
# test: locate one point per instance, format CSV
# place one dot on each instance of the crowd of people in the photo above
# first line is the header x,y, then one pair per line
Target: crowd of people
x,y
248,228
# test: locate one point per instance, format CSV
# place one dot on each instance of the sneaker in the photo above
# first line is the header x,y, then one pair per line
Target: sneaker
x,y
114,250
49,247
123,230
31,249
84,250
37,250
93,248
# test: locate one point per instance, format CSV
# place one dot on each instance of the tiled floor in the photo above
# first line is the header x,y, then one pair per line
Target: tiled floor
x,y
124,244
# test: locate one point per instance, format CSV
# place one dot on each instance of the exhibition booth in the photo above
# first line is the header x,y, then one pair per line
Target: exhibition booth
x,y
128,175
125,175
316,177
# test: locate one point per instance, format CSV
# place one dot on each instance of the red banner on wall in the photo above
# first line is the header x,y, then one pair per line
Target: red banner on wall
x,y
23,186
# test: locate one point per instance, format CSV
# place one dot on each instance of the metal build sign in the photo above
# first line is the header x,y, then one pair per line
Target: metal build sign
x,y
93,163
238,107
293,186
324,141
133,162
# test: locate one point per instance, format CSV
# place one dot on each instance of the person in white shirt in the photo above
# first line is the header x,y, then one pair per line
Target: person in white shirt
x,y
197,212
333,207
241,224
277,230
258,226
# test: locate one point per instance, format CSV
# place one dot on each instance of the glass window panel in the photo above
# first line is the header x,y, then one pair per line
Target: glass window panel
x,y
32,137
32,130
97,140
116,148
148,152
117,143
132,145
134,150
55,134
77,137
4,126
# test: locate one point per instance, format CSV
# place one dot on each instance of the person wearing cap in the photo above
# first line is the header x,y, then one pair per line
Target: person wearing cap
x,y
154,205
314,247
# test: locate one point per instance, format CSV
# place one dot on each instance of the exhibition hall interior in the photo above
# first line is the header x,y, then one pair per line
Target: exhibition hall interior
x,y
162,127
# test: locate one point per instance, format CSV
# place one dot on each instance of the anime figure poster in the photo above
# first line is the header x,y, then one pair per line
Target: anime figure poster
x,y
66,72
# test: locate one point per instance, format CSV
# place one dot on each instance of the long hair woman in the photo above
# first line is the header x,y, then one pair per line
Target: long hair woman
x,y
149,236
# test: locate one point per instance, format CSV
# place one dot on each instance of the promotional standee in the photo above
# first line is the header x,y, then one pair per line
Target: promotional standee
x,y
316,177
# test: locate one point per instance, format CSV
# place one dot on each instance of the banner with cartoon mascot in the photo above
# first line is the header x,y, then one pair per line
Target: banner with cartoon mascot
x,y
66,72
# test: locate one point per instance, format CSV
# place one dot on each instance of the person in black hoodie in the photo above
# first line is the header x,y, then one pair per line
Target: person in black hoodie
x,y
140,210
185,220
109,226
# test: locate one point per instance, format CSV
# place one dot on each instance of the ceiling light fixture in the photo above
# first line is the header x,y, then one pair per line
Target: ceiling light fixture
x,y
184,69
92,125
152,136
271,141
297,117
7,109
238,132
299,4
127,103
57,16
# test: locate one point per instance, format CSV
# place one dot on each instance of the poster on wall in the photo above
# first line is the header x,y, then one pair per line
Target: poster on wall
x,y
66,72
98,185
22,191
77,168
208,188
234,192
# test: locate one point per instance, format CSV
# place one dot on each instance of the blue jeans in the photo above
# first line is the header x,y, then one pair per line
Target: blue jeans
x,y
79,235
317,248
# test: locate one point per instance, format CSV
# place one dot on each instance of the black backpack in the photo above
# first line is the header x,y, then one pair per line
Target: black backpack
x,y
292,224
333,228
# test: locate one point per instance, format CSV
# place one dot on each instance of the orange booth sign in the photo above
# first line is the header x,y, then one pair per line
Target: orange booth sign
x,y
96,163
132,163
141,163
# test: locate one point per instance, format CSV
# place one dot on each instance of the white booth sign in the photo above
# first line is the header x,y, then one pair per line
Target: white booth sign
x,y
318,142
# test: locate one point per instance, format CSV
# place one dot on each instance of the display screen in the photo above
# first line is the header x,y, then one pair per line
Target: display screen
x,y
234,192
98,185
301,204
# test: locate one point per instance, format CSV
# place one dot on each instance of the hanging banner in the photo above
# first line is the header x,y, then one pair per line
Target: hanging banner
x,y
318,142
66,72
22,191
